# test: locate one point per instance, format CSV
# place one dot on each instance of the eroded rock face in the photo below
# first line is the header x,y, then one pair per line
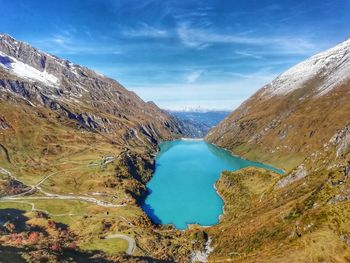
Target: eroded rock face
x,y
298,174
339,198
347,169
3,124
342,141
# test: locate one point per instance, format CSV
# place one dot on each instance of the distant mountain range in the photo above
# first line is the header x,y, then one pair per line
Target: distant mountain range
x,y
198,121
198,109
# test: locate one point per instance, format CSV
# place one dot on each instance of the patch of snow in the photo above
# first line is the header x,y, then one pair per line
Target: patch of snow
x,y
75,72
97,193
49,55
74,100
332,67
4,171
198,109
29,102
100,74
82,88
28,72
202,256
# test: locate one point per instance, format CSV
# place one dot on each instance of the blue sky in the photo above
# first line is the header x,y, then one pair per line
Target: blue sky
x,y
184,53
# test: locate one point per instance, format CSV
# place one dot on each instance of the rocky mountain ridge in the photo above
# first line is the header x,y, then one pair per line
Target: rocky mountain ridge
x,y
330,69
298,122
76,152
92,100
293,116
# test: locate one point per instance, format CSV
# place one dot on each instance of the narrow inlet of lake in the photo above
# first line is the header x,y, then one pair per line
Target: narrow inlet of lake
x,y
181,191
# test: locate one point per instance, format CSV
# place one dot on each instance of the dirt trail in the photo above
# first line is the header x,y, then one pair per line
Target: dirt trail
x,y
22,196
130,240
6,153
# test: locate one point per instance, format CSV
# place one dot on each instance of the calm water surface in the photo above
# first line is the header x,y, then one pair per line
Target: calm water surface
x,y
182,187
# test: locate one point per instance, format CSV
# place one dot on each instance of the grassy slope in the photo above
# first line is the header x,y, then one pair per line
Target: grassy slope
x,y
254,130
260,222
49,145
296,223
305,221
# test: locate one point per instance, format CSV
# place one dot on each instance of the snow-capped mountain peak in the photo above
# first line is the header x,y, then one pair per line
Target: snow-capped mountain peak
x,y
25,71
198,109
55,77
326,70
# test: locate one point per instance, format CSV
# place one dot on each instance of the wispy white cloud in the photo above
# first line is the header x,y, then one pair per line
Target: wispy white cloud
x,y
200,38
246,54
227,94
64,42
193,76
263,75
191,38
146,30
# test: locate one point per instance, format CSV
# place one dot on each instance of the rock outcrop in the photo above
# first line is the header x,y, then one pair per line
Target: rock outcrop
x,y
342,141
296,175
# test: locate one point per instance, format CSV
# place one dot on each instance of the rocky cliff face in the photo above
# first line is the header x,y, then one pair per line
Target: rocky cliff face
x,y
294,115
94,102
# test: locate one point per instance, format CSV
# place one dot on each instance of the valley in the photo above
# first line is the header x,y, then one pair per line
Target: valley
x,y
74,169
181,190
78,151
198,123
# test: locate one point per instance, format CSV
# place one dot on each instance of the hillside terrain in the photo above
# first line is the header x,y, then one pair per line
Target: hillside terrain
x,y
299,122
293,116
76,150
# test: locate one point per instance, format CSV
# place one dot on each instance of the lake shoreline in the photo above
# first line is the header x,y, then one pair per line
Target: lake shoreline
x,y
185,150
282,171
191,139
221,150
223,199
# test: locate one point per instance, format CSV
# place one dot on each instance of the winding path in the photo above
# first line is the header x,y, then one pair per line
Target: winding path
x,y
130,240
21,198
50,195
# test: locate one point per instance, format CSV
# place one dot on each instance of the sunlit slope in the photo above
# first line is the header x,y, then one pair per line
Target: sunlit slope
x,y
299,122
75,153
294,115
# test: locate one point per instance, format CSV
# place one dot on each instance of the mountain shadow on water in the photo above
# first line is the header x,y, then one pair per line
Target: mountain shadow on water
x,y
150,211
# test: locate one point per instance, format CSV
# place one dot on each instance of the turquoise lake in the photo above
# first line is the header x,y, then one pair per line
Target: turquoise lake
x,y
181,190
